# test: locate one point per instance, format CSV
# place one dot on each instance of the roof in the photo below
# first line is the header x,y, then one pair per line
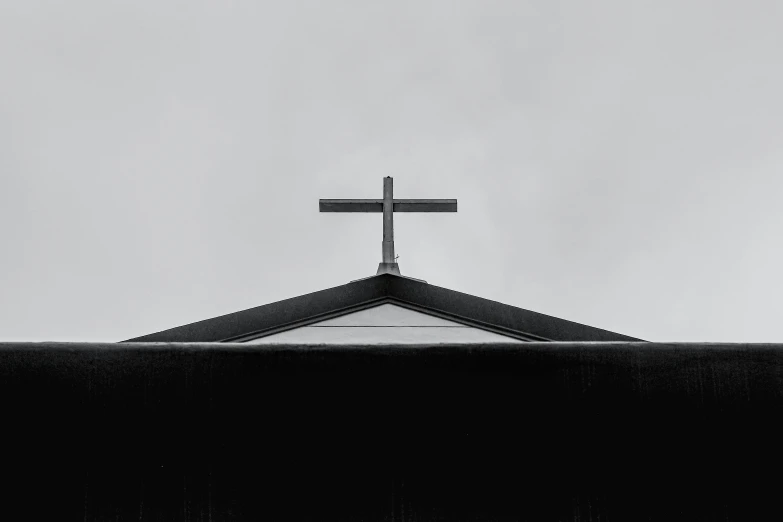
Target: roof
x,y
411,293
515,431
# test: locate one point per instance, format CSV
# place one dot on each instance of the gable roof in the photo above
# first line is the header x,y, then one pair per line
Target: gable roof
x,y
385,288
384,324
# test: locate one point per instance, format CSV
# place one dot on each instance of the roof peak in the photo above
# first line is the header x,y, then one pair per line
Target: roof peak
x,y
389,273
484,313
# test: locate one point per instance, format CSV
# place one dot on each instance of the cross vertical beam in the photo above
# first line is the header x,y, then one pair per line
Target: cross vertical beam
x,y
388,220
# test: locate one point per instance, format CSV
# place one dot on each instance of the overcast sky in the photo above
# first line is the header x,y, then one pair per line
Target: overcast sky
x,y
617,163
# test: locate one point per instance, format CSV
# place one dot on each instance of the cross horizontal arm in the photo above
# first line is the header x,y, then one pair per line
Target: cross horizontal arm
x,y
425,205
350,205
376,205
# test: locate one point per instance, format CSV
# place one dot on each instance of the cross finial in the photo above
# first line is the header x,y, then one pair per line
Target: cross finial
x,y
388,205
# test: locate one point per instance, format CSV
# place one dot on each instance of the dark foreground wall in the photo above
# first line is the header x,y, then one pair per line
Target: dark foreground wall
x,y
549,431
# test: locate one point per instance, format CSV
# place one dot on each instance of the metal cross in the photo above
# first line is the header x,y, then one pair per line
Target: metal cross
x,y
388,205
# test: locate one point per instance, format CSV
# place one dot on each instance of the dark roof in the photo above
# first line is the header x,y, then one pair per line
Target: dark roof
x,y
384,288
512,431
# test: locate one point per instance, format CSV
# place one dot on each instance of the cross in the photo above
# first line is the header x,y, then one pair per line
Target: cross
x,y
388,205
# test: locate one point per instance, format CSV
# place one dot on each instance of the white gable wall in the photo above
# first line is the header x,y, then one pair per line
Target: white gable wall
x,y
388,315
384,324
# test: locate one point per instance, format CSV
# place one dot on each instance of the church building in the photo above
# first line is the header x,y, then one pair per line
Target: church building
x,y
391,399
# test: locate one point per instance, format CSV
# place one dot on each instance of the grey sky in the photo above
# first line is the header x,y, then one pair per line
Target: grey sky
x,y
617,163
